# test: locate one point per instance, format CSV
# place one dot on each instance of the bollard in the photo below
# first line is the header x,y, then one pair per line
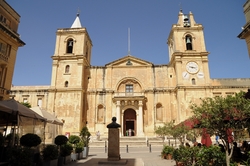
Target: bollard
x,y
105,148
127,148
149,148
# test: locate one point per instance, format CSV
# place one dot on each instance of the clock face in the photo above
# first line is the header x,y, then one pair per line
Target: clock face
x,y
200,75
185,75
192,67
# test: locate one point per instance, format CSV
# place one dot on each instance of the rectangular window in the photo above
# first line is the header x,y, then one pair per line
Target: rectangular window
x,y
129,90
39,102
8,50
25,100
229,93
217,94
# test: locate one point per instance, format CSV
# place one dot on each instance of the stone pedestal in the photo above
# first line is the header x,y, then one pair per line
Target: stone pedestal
x,y
113,145
114,157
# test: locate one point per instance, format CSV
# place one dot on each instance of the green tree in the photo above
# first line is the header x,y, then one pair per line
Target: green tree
x,y
164,130
26,104
176,131
221,115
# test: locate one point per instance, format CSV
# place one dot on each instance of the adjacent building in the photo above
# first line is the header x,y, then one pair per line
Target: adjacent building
x,y
245,33
9,43
140,94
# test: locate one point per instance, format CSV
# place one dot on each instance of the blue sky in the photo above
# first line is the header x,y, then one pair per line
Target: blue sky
x,y
107,22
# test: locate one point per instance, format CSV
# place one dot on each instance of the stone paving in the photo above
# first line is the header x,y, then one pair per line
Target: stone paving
x,y
135,156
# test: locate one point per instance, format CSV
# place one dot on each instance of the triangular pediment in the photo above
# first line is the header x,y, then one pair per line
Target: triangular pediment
x,y
129,60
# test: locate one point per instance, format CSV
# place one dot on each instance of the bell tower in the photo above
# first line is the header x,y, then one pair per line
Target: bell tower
x,y
187,52
70,74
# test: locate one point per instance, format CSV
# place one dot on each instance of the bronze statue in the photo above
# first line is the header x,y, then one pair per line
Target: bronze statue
x,y
113,124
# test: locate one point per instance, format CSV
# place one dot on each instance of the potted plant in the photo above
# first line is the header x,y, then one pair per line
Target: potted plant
x,y
50,155
60,140
183,156
1,147
211,155
79,150
85,136
18,155
30,140
74,139
167,152
65,152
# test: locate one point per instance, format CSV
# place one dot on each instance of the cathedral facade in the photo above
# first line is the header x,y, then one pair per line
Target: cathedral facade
x,y
140,94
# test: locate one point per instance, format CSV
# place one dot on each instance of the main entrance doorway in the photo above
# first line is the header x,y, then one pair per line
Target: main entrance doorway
x,y
129,123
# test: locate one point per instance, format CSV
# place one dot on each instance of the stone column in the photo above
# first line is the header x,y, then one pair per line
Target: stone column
x,y
140,120
118,112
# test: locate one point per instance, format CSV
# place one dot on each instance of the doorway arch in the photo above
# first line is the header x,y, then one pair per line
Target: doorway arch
x,y
129,122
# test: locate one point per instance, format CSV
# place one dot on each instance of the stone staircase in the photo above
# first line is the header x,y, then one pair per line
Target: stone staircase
x,y
133,141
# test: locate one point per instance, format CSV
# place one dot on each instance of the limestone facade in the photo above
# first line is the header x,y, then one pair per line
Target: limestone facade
x,y
245,33
9,43
140,94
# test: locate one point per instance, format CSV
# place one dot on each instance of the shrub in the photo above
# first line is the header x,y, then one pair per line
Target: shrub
x,y
167,150
30,140
1,139
50,152
183,154
211,155
61,140
66,150
85,135
74,139
20,156
79,147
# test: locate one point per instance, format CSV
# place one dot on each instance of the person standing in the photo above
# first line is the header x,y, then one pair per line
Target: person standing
x,y
98,135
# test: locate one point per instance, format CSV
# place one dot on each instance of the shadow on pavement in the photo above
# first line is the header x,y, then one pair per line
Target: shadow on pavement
x,y
101,161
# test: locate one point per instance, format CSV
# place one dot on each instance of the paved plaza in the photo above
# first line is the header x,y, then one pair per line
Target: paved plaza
x,y
135,156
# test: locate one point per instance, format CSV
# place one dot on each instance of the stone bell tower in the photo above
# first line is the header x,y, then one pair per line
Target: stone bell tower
x,y
187,51
189,60
70,74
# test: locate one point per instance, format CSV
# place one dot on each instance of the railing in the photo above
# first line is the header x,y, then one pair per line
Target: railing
x,y
128,94
4,57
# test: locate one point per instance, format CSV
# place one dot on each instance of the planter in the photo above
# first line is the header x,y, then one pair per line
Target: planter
x,y
60,161
179,163
50,162
85,152
67,159
169,157
164,156
74,156
79,156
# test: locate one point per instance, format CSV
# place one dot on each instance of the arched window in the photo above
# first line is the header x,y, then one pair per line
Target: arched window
x,y
70,44
193,81
66,84
188,40
100,114
67,69
159,112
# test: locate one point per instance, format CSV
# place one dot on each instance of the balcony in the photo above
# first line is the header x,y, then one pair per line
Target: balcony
x,y
129,94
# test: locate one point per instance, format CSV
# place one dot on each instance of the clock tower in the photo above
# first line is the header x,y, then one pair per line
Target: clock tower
x,y
188,60
187,52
